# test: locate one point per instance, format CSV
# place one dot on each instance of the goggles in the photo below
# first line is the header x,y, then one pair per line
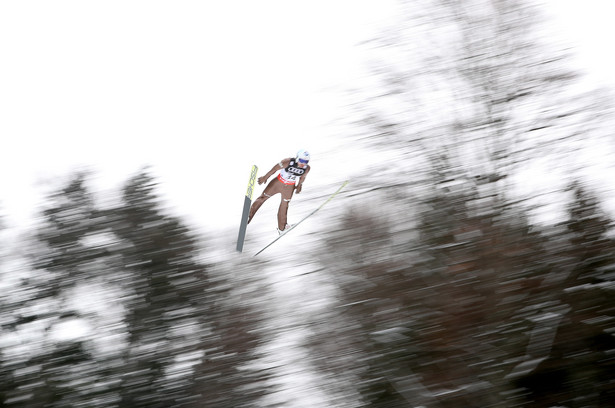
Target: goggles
x,y
303,161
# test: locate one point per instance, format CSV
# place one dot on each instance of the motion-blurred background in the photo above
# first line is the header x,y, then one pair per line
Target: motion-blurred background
x,y
470,262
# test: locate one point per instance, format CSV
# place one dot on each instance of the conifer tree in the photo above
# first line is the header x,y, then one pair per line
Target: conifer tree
x,y
577,368
50,372
178,311
168,292
179,341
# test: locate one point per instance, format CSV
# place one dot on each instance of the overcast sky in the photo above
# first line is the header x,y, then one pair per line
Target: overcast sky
x,y
588,26
201,90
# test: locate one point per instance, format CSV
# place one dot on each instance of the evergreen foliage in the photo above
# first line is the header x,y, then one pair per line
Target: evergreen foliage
x,y
159,331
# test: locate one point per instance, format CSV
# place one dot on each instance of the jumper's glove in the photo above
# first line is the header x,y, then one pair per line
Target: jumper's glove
x,y
298,188
262,180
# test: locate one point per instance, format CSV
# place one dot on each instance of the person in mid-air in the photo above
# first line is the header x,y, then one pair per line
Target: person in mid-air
x,y
292,175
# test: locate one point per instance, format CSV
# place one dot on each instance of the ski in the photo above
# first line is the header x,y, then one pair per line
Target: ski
x,y
247,202
304,218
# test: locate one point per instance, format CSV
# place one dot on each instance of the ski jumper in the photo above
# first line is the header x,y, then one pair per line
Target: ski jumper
x,y
291,172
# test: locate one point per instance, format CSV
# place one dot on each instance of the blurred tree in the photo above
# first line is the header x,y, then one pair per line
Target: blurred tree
x,y
580,363
5,310
175,315
442,323
53,368
227,376
167,335
480,309
478,81
450,304
67,221
166,285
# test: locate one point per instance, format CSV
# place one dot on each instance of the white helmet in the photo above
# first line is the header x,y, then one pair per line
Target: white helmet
x,y
303,156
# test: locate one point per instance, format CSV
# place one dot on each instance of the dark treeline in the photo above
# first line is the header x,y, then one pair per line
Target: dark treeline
x,y
477,307
450,293
464,303
167,334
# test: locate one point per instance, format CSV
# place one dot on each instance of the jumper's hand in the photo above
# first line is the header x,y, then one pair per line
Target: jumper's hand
x,y
262,180
298,188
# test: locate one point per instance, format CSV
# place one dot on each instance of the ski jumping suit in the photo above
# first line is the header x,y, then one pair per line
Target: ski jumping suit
x,y
283,184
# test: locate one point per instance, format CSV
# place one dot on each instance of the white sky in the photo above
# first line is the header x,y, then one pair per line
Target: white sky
x,y
201,90
588,25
